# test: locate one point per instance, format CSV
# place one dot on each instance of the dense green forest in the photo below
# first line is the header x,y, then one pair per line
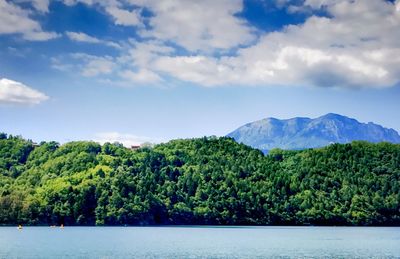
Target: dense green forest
x,y
197,181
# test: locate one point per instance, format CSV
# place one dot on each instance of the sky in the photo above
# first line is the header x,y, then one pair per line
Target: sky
x,y
139,71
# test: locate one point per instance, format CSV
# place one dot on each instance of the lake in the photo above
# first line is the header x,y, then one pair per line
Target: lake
x,y
200,242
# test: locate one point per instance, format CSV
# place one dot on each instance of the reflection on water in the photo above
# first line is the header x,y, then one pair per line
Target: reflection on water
x,y
200,242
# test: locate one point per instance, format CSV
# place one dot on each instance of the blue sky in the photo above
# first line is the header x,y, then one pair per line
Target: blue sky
x,y
135,70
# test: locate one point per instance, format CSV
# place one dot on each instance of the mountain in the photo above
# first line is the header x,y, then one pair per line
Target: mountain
x,y
301,133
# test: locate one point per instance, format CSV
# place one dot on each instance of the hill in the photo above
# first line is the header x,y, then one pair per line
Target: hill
x,y
302,133
197,181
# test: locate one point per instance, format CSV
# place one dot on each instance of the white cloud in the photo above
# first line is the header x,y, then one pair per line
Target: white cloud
x,y
15,20
94,65
98,66
39,5
133,67
142,54
202,70
124,17
127,140
17,93
92,2
141,77
59,64
206,25
83,37
317,4
357,47
117,9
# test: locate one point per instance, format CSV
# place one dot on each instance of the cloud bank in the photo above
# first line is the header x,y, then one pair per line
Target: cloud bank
x,y
356,47
342,43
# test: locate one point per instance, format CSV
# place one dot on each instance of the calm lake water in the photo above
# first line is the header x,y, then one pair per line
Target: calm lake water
x,y
200,242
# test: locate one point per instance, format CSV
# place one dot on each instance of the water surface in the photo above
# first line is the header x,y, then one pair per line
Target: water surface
x,y
200,242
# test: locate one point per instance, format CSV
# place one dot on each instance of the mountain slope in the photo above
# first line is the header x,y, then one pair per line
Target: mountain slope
x,y
301,133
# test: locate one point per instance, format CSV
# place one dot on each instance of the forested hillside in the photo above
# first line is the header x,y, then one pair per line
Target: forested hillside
x,y
197,181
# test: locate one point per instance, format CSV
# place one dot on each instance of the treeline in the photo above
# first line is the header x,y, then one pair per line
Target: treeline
x,y
197,181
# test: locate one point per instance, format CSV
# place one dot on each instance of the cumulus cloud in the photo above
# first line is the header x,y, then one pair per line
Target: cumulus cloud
x,y
125,17
202,70
206,25
39,5
198,25
85,64
94,65
356,47
15,20
142,54
317,4
133,67
83,37
92,2
141,76
355,44
98,66
127,140
13,92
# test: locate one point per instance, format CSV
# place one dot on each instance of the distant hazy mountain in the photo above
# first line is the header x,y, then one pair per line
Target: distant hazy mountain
x,y
301,133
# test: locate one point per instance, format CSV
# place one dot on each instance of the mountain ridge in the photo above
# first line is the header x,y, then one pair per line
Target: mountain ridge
x,y
303,132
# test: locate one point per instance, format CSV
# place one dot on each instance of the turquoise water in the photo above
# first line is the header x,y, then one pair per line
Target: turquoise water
x,y
200,242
